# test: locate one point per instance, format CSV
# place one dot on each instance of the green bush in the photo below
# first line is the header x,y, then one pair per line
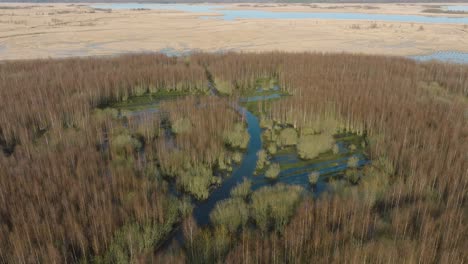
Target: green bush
x,y
209,246
311,146
326,124
196,180
223,87
353,162
237,157
336,149
353,175
273,171
102,114
307,131
339,187
287,137
266,123
238,137
134,239
185,207
273,206
231,213
266,83
375,180
313,177
269,135
182,125
272,149
123,146
242,190
261,159
224,162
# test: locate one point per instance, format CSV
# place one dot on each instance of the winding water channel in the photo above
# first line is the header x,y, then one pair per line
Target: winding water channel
x,y
245,169
293,175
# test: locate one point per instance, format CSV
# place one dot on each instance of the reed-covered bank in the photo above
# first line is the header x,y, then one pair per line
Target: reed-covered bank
x,y
78,184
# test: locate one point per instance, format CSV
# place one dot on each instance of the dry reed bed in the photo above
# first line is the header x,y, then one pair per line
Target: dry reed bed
x,y
62,199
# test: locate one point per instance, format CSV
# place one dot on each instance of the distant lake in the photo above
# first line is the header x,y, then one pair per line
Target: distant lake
x,y
446,56
227,14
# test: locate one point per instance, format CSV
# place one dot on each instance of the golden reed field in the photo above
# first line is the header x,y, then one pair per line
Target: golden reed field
x,y
62,30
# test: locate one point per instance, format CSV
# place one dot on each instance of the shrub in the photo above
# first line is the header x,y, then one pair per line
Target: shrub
x,y
336,149
313,177
124,145
274,206
237,157
242,190
196,180
261,159
273,171
266,123
182,125
231,213
224,162
267,83
272,148
185,207
102,114
353,162
269,135
223,87
373,183
209,246
307,131
311,146
324,123
238,137
353,175
288,137
135,238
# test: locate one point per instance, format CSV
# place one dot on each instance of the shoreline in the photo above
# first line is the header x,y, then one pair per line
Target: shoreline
x,y
76,30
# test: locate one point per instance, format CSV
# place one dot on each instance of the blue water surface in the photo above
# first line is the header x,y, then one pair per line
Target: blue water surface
x,y
227,14
457,8
444,56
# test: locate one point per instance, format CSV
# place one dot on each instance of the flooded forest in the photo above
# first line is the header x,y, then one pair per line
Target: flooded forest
x,y
233,158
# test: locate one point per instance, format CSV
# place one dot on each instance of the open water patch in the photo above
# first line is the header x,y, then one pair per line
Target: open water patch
x,y
226,14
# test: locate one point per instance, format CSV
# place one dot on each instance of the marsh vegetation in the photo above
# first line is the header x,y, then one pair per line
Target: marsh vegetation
x,y
104,159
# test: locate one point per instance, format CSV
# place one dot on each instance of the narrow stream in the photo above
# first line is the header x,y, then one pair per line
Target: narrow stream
x,y
246,168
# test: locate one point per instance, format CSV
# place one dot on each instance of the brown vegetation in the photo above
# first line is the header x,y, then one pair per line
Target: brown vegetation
x,y
66,197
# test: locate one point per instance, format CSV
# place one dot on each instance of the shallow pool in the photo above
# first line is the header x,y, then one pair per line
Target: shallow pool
x,y
227,14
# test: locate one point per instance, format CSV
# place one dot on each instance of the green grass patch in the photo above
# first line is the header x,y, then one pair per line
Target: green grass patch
x,y
347,139
142,102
